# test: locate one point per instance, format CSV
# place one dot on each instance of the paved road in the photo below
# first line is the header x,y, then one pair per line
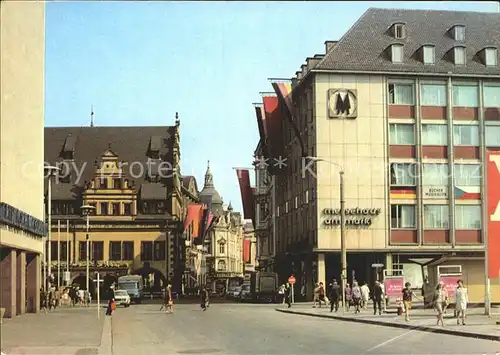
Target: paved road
x,y
259,329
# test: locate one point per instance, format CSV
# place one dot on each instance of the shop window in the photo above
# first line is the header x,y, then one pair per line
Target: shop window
x,y
403,217
468,217
436,217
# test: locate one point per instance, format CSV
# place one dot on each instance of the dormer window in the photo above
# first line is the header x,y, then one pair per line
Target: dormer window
x,y
428,54
397,53
458,33
459,55
490,57
399,31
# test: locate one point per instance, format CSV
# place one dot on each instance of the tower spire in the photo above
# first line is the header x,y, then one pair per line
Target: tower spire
x,y
91,115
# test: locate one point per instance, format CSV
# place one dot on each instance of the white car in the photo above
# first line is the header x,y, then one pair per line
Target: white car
x,y
122,298
235,292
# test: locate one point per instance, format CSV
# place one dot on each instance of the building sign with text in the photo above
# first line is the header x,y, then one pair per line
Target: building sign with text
x,y
437,192
354,217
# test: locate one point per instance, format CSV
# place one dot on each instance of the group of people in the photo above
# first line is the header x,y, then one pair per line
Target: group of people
x,y
168,300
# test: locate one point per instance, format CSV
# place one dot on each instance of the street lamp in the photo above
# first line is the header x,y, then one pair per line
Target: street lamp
x,y
87,211
343,248
50,172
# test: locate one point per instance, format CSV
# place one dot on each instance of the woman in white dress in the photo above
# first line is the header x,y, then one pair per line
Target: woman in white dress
x,y
461,300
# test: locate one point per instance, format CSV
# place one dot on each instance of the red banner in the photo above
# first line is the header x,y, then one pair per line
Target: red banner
x,y
493,193
197,222
273,124
450,283
247,245
246,193
193,211
394,286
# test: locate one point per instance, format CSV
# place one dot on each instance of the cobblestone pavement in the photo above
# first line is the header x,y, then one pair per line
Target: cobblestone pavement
x,y
477,325
63,331
259,329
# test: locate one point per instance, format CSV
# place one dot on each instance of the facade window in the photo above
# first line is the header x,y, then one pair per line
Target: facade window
x,y
63,250
104,208
401,134
433,95
468,217
401,94
115,251
491,95
82,250
97,251
127,250
459,33
459,55
117,184
146,251
435,174
222,248
467,174
403,174
53,250
466,135
490,56
465,96
221,265
160,254
434,134
492,136
436,217
116,208
399,31
397,53
403,217
127,209
93,212
429,54
104,183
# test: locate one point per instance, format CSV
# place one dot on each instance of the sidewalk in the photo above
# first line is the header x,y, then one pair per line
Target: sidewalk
x,y
63,331
477,325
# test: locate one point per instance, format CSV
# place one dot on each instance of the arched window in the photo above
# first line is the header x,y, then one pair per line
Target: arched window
x,y
221,265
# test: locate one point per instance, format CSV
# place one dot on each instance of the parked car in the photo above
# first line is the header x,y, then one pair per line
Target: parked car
x,y
122,298
235,292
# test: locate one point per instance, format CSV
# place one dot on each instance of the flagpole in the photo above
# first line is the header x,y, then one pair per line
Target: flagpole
x,y
67,251
58,254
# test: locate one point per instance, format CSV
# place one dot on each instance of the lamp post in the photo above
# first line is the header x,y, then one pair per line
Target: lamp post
x,y
343,247
50,172
87,211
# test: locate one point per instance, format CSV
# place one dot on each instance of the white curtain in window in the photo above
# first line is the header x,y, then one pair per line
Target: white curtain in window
x,y
403,174
468,217
491,96
435,174
397,53
459,55
467,174
490,56
429,54
465,96
434,134
433,95
467,135
492,136
402,134
403,94
408,216
436,217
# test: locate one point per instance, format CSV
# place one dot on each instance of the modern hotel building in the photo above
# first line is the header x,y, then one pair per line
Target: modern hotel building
x,y
407,104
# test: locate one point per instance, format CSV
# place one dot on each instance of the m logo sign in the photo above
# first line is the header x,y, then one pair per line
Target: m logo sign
x,y
342,103
493,179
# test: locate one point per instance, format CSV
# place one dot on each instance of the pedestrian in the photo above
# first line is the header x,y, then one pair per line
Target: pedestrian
x,y
111,307
321,294
288,295
87,298
365,295
165,299
461,301
334,295
170,304
439,300
408,295
281,293
43,300
356,297
204,298
316,296
348,297
377,297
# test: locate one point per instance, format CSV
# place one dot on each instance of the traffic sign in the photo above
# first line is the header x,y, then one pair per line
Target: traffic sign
x,y
291,280
377,265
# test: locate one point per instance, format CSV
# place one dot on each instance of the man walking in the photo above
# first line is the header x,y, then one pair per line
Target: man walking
x,y
365,295
378,295
334,296
204,298
288,295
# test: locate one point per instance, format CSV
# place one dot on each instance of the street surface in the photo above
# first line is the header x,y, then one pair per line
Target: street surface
x,y
224,329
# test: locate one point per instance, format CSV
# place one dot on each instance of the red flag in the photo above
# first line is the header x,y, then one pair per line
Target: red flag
x,y
192,213
273,124
247,244
197,222
246,193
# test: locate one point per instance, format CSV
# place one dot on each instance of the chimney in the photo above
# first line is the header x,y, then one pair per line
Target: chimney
x,y
304,69
329,45
294,82
312,62
298,74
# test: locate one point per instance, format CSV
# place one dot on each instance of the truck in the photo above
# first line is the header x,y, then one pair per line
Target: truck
x,y
263,286
133,284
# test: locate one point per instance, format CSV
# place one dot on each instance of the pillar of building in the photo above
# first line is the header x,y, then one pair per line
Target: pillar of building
x,y
8,261
33,282
388,261
21,283
321,268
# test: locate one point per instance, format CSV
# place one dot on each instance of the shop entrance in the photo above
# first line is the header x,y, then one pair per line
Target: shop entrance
x,y
359,267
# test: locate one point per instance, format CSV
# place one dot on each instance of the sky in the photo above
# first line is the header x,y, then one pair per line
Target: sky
x,y
138,63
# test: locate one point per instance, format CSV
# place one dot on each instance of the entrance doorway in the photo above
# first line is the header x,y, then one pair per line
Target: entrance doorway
x,y
359,267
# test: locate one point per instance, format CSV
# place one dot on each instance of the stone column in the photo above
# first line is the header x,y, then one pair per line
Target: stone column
x,y
8,281
21,282
33,282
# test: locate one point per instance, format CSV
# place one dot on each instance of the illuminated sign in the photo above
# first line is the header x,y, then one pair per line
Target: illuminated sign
x,y
354,217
